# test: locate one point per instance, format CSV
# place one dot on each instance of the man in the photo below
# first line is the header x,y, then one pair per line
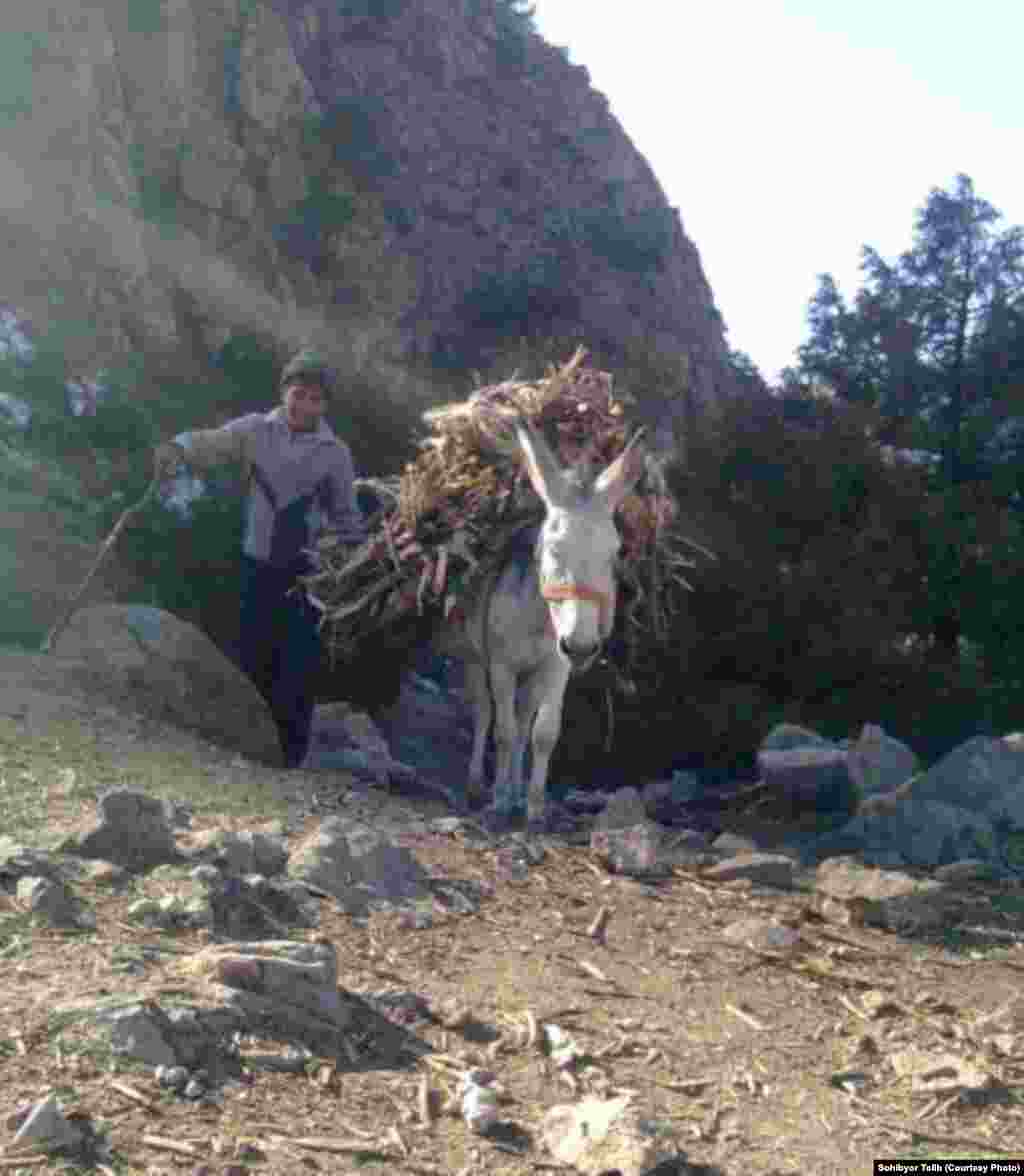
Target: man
x,y
300,482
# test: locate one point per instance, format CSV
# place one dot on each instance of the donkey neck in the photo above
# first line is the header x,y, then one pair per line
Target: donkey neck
x,y
519,579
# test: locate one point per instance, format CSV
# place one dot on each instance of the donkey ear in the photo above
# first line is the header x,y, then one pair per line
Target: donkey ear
x,y
615,483
541,465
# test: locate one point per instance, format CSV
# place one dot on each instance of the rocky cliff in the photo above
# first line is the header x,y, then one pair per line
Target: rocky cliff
x,y
398,179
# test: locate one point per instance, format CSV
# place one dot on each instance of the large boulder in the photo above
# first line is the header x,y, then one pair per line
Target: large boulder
x,y
360,867
169,668
788,736
810,777
879,763
969,805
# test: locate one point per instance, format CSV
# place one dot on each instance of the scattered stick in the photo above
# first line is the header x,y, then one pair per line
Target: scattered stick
x,y
394,1136
425,1103
171,1145
599,926
941,1108
848,1004
531,1030
62,621
687,1085
964,1141
753,1022
135,1095
340,1146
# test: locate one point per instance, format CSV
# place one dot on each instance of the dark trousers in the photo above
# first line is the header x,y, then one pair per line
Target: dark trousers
x,y
279,649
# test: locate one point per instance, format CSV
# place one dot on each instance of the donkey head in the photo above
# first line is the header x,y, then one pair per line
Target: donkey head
x,y
578,542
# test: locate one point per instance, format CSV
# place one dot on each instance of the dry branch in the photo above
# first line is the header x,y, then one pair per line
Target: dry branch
x,y
447,520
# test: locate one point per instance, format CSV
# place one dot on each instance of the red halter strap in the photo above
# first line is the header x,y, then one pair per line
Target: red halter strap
x,y
580,592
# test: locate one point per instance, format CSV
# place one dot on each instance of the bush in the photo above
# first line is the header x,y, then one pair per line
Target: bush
x,y
514,301
635,243
375,10
350,127
824,570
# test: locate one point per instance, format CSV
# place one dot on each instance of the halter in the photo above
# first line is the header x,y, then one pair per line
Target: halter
x,y
581,592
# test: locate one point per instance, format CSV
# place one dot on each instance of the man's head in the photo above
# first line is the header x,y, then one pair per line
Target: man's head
x,y
305,386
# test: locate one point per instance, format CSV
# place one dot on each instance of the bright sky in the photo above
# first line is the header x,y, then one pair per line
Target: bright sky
x,y
789,133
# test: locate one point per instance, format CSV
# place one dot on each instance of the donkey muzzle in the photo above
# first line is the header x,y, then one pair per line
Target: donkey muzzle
x,y
579,658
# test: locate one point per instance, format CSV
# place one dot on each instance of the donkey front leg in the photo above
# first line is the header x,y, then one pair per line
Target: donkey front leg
x,y
480,695
546,691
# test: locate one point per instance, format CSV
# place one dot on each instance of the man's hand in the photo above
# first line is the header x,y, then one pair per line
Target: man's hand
x,y
167,459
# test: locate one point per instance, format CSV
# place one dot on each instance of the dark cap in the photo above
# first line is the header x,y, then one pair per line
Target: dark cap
x,y
307,362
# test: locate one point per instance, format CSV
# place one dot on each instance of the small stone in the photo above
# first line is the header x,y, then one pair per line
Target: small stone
x,y
172,1077
766,869
762,934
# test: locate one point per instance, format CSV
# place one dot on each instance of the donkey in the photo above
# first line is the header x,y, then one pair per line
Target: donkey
x,y
544,615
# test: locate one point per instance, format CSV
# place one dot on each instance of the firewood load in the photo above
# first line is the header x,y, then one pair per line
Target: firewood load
x,y
446,522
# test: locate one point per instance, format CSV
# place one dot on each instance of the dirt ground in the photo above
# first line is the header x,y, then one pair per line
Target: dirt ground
x,y
756,1061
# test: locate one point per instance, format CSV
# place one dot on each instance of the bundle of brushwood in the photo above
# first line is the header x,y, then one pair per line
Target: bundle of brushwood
x,y
446,522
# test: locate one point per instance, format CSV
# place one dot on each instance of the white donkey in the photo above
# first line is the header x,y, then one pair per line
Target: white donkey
x,y
544,614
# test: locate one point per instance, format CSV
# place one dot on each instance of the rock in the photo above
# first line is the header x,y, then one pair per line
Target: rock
x,y
172,670
983,776
887,898
447,826
462,218
337,723
762,934
303,976
625,808
878,763
968,806
634,850
918,833
789,737
764,869
666,801
254,907
141,1031
686,846
966,870
271,988
21,861
584,803
597,1137
54,902
241,852
359,867
46,1127
351,760
815,778
731,844
134,830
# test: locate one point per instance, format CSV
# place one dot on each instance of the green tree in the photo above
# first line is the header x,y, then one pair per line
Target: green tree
x,y
914,342
933,340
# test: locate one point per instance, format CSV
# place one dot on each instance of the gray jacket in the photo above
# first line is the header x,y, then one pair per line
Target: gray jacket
x,y
300,484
